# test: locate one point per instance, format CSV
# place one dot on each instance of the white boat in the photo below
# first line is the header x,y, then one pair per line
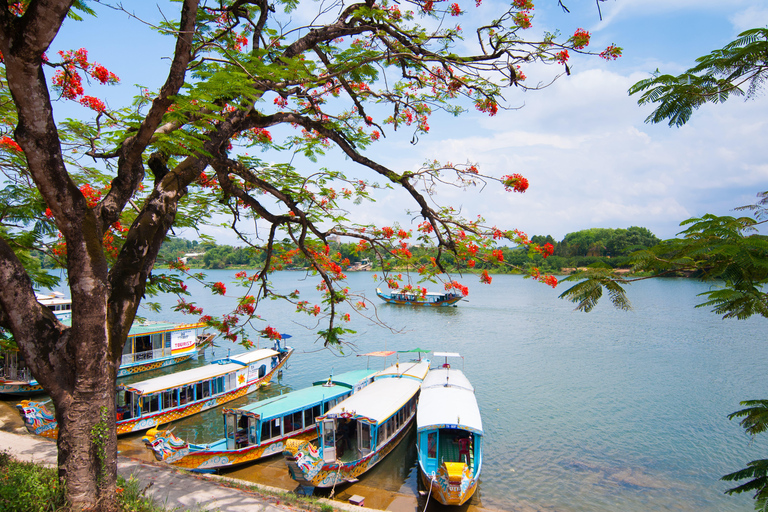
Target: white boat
x,y
153,402
449,434
360,431
56,302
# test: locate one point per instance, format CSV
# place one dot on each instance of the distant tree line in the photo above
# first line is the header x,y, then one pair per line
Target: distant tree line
x,y
579,249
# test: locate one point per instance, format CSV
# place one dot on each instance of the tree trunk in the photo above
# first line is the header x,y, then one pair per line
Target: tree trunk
x,y
88,445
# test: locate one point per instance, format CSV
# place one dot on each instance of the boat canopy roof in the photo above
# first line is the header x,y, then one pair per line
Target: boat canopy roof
x,y
160,327
215,369
348,379
412,369
377,401
288,403
447,400
145,329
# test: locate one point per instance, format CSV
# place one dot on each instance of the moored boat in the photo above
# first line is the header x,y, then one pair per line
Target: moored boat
x,y
360,431
150,345
428,299
153,402
259,429
449,435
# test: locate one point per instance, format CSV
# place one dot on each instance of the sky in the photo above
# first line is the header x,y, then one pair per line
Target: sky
x,y
582,143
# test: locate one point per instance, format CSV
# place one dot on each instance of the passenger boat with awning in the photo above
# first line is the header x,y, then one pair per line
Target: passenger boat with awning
x,y
360,431
150,345
150,403
428,300
259,429
449,434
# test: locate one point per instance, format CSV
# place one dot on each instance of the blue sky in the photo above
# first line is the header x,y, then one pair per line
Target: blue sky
x,y
582,143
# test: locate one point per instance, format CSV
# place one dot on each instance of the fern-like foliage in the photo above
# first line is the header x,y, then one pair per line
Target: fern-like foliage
x,y
589,290
740,68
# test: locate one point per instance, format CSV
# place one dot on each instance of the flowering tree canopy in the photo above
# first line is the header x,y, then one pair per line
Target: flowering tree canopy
x,y
242,79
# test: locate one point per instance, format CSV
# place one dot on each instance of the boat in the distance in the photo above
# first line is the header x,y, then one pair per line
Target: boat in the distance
x,y
259,429
449,434
428,299
359,431
153,402
56,302
150,345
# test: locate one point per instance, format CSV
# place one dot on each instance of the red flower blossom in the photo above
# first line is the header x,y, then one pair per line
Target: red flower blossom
x,y
455,10
550,280
515,182
485,278
580,38
93,103
562,57
9,144
613,52
219,288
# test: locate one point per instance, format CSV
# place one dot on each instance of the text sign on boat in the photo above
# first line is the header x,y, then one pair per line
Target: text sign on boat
x,y
181,340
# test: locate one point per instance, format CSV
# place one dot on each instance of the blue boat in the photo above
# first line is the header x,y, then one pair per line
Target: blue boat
x,y
449,434
259,429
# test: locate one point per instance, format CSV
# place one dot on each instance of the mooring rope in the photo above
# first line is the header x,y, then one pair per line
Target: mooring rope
x,y
335,479
431,480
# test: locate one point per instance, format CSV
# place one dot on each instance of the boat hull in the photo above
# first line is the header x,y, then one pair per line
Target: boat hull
x,y
306,465
448,490
201,459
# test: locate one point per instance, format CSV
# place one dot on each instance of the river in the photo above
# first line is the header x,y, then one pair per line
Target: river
x,y
594,412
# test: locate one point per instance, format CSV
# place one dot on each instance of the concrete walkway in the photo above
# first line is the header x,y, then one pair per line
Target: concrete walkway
x,y
175,489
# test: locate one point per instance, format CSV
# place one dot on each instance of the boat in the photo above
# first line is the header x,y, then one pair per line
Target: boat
x,y
153,402
149,346
360,431
259,429
428,299
56,302
449,434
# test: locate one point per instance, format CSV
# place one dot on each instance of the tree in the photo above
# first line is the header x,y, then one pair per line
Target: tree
x,y
730,250
238,70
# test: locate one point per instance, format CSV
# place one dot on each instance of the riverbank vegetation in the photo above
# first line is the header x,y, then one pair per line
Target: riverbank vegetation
x,y
611,247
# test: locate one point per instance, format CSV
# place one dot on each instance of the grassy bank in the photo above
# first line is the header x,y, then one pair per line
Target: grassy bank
x,y
29,487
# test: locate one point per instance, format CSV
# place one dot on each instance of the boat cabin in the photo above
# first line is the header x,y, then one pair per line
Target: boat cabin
x,y
158,340
286,415
371,418
154,396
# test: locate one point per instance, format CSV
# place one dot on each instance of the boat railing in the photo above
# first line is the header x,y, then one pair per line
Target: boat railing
x,y
142,356
15,373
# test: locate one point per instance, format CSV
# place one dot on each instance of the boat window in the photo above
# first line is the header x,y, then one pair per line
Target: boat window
x,y
150,404
218,385
167,340
252,424
186,394
432,445
157,342
230,430
143,345
206,389
364,437
128,347
270,429
311,414
293,422
169,399
262,370
123,405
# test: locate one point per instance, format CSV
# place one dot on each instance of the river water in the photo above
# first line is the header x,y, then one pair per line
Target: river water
x,y
603,411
